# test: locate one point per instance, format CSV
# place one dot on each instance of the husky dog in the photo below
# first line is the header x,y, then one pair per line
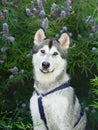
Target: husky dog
x,y
54,105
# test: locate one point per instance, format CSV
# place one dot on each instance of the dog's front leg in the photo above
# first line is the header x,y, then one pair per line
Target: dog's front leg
x,y
38,124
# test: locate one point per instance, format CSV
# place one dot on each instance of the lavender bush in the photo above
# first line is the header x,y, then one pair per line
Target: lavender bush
x,y
19,20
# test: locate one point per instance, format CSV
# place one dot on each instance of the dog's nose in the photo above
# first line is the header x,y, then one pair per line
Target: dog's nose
x,y
45,65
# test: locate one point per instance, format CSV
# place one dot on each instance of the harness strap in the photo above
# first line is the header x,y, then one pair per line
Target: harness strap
x,y
79,118
41,108
63,86
40,103
41,111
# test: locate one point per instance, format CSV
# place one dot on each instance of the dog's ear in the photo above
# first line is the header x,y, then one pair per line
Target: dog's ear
x,y
39,36
64,40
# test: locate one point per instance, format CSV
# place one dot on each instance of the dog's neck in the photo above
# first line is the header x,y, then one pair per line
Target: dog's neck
x,y
44,87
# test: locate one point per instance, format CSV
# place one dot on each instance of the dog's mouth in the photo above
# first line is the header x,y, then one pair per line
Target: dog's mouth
x,y
45,71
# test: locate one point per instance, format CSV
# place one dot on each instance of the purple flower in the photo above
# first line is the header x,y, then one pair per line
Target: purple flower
x,y
1,14
5,29
14,70
21,71
74,45
42,13
28,11
64,28
16,1
89,19
34,10
3,49
1,33
24,105
10,3
94,49
84,21
68,9
1,61
57,36
15,20
45,0
93,111
63,13
40,4
70,34
5,11
86,109
55,10
91,35
53,7
68,2
45,23
11,39
32,4
79,36
4,1
20,118
95,28
11,76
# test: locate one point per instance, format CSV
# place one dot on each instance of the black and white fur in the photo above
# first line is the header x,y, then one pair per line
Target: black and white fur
x,y
61,108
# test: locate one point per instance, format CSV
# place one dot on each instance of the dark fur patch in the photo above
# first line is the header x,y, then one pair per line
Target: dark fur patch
x,y
63,52
36,48
50,43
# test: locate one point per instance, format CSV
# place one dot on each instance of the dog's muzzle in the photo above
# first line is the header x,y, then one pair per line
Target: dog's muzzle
x,y
45,67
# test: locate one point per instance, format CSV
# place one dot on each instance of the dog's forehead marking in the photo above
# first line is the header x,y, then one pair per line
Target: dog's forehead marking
x,y
49,50
50,46
50,43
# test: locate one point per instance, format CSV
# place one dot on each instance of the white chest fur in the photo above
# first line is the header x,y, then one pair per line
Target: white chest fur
x,y
60,111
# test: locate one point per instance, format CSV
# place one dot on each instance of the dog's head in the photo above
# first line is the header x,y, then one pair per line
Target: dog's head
x,y
49,55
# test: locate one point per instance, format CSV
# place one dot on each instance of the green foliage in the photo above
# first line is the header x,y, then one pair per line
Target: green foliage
x,y
95,92
18,119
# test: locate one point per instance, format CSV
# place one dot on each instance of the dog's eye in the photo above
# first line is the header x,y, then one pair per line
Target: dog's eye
x,y
43,51
55,53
